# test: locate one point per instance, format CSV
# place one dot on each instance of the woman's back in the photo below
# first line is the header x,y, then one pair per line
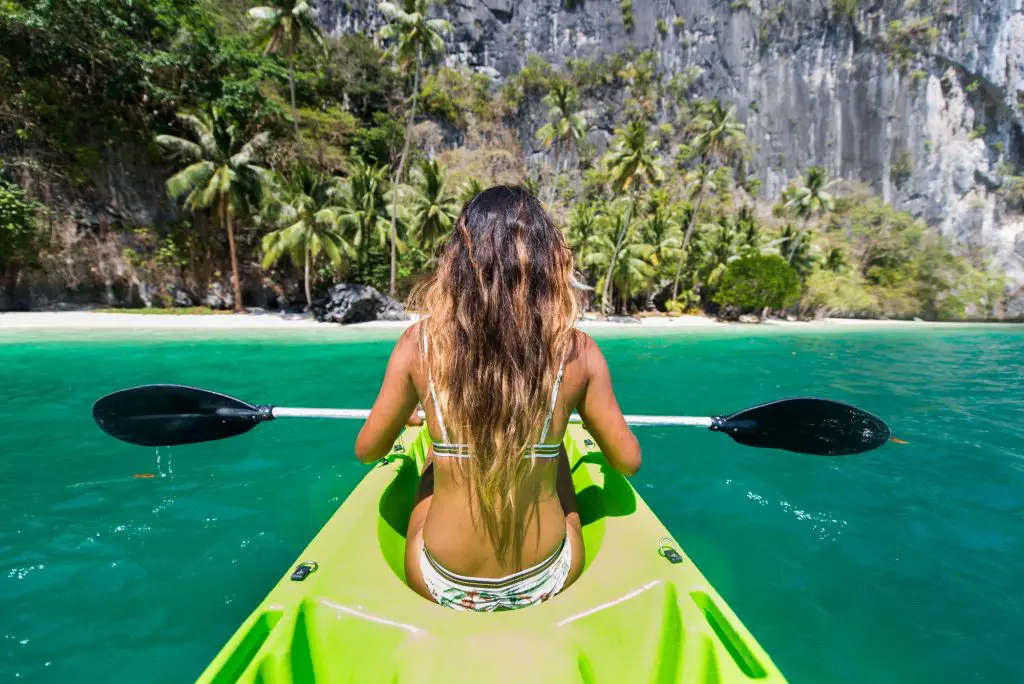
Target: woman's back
x,y
498,367
539,512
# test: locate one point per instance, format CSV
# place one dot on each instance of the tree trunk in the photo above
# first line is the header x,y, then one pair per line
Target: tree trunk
x,y
400,171
615,254
309,295
554,177
225,213
796,240
686,241
291,86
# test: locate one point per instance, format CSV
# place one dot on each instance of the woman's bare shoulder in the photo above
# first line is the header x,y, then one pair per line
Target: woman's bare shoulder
x,y
585,350
407,348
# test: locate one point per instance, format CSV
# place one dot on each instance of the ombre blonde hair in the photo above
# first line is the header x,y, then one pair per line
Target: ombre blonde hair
x,y
501,310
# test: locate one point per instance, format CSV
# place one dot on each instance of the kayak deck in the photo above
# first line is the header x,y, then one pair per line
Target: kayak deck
x,y
633,616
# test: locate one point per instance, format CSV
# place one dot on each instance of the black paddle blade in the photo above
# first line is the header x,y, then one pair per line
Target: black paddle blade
x,y
806,426
165,415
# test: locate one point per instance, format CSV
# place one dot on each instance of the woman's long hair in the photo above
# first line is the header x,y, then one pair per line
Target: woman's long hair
x,y
502,309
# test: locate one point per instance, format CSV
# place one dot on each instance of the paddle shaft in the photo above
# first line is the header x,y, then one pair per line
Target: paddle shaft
x,y
363,414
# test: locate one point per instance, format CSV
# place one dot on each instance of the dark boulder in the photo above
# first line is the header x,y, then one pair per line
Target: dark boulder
x,y
349,303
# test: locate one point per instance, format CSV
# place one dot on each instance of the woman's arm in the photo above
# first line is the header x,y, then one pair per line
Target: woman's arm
x,y
602,415
396,401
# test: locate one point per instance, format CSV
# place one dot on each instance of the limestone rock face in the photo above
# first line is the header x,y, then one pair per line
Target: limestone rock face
x,y
933,133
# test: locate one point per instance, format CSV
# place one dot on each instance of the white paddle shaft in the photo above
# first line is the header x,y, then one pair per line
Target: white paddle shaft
x,y
363,414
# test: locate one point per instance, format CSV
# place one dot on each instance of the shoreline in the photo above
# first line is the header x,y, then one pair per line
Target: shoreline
x,y
86,320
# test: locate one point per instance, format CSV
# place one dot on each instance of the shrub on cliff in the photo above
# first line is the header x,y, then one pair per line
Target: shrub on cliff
x,y
19,228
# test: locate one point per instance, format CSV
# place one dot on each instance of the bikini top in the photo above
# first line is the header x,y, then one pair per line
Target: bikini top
x,y
448,449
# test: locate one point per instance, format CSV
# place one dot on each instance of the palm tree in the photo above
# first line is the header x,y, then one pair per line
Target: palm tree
x,y
286,23
434,209
566,125
661,233
749,229
306,212
469,190
811,199
632,162
632,267
701,179
415,38
835,260
222,172
580,230
797,243
363,208
718,131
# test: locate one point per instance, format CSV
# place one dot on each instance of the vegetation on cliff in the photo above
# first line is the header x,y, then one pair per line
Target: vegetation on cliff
x,y
299,160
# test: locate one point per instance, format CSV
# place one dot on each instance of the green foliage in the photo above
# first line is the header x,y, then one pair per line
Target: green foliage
x,y
661,26
305,212
74,72
1012,190
979,132
566,124
633,160
758,281
906,41
827,293
811,198
222,172
433,208
717,132
901,169
378,144
737,5
909,271
453,95
20,230
628,20
845,8
354,69
972,86
414,37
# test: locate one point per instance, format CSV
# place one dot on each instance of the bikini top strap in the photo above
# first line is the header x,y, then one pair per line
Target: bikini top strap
x,y
554,398
433,391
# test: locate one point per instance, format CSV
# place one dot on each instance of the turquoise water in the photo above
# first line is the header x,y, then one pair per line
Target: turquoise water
x,y
900,565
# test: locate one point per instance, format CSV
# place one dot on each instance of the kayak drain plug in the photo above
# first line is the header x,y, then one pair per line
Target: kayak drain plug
x,y
303,570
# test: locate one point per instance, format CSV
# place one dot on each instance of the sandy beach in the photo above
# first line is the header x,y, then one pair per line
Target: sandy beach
x,y
86,320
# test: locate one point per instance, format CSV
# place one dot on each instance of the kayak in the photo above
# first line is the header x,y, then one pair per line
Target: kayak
x,y
640,612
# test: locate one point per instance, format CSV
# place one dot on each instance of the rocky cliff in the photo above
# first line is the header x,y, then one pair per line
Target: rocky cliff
x,y
923,100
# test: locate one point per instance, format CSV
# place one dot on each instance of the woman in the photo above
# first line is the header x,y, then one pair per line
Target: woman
x,y
498,367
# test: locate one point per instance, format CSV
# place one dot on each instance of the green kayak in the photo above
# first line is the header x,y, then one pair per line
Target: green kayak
x,y
641,611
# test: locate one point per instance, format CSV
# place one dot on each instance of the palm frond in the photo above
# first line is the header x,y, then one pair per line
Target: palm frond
x,y
180,147
264,14
192,177
252,150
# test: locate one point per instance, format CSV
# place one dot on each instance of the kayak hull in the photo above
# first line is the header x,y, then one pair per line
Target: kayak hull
x,y
633,615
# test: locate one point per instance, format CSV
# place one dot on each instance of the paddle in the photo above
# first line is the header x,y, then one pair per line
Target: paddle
x,y
166,415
